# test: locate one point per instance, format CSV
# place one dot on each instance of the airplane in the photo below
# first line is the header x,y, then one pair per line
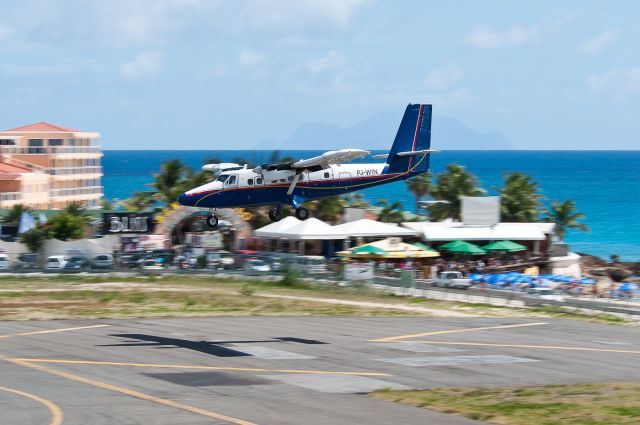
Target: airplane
x,y
293,183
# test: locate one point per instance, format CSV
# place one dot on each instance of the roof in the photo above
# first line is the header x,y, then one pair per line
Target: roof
x,y
450,231
43,126
13,169
292,228
372,228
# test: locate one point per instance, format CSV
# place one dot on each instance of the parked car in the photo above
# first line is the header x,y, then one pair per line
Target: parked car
x,y
56,262
102,261
309,264
131,261
26,262
5,263
452,279
256,267
152,264
76,264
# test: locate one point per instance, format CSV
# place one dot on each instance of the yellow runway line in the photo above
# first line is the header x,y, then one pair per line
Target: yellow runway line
x,y
131,393
545,347
49,331
453,331
56,413
225,368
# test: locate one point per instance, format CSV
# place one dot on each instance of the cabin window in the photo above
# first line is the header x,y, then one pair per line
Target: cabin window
x,y
290,178
258,180
326,175
274,181
282,180
250,182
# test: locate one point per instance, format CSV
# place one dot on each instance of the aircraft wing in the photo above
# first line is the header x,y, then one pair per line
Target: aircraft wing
x,y
331,157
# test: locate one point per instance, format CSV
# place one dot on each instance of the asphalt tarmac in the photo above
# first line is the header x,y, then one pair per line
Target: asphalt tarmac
x,y
287,370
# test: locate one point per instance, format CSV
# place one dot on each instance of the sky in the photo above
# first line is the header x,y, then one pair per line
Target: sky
x,y
225,74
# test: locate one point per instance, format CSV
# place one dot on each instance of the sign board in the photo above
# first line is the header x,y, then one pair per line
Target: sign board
x,y
480,210
126,222
358,271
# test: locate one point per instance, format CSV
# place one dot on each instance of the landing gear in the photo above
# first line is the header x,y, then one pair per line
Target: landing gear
x,y
275,213
302,213
212,220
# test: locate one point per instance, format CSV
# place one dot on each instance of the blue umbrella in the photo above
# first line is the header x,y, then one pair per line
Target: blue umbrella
x,y
587,281
628,287
476,277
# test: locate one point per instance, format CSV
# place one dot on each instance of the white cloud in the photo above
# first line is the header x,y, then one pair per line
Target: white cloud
x,y
143,65
600,42
443,77
617,83
250,57
518,35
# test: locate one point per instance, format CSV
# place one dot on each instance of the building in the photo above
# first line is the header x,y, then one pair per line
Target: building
x,y
70,157
23,184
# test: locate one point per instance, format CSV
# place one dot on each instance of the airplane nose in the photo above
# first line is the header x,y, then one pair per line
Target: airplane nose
x,y
183,199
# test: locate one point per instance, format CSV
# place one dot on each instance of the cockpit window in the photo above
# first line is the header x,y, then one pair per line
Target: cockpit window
x,y
231,180
223,177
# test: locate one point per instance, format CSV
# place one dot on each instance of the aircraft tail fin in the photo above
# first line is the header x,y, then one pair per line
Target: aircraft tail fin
x,y
410,150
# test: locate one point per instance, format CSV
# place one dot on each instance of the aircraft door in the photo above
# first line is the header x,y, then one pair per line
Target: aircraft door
x,y
230,193
255,189
344,180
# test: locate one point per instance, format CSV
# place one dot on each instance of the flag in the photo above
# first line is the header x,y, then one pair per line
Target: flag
x,y
27,222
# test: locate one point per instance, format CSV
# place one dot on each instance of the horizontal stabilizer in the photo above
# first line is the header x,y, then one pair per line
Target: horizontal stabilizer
x,y
420,152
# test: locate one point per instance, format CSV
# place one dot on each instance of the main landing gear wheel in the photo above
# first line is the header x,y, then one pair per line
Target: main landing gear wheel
x,y
212,221
275,214
302,213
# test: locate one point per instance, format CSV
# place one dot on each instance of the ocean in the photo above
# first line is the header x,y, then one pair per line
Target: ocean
x,y
604,184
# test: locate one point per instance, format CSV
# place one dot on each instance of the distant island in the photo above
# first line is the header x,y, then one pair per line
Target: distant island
x,y
377,133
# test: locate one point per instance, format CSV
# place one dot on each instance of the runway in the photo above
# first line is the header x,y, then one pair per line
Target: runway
x,y
287,370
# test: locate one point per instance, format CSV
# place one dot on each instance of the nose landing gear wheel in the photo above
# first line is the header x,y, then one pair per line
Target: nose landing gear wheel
x,y
275,214
212,221
302,213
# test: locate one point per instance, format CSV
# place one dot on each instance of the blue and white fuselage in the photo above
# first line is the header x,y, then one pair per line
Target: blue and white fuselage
x,y
319,177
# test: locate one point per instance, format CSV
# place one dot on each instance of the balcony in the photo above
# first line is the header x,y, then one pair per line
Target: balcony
x,y
10,196
49,150
90,190
66,171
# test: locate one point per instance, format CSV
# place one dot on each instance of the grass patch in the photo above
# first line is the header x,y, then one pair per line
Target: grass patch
x,y
583,404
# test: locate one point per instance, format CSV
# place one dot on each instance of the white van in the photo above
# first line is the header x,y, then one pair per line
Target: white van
x,y
311,264
5,263
56,262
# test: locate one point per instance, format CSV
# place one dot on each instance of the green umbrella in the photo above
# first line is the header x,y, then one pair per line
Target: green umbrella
x,y
423,246
506,246
368,249
462,247
453,244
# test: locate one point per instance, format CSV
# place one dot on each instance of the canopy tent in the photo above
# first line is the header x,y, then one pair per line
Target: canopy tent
x,y
293,229
462,247
371,228
504,246
388,248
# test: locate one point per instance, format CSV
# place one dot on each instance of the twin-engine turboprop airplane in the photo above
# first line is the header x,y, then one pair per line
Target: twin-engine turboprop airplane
x,y
323,176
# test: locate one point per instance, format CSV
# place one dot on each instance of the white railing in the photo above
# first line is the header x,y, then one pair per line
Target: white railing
x,y
46,150
63,171
10,196
90,190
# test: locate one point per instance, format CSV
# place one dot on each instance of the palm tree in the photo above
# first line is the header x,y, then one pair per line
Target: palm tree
x,y
519,199
450,186
390,213
139,201
420,186
328,209
14,214
565,216
169,181
355,200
